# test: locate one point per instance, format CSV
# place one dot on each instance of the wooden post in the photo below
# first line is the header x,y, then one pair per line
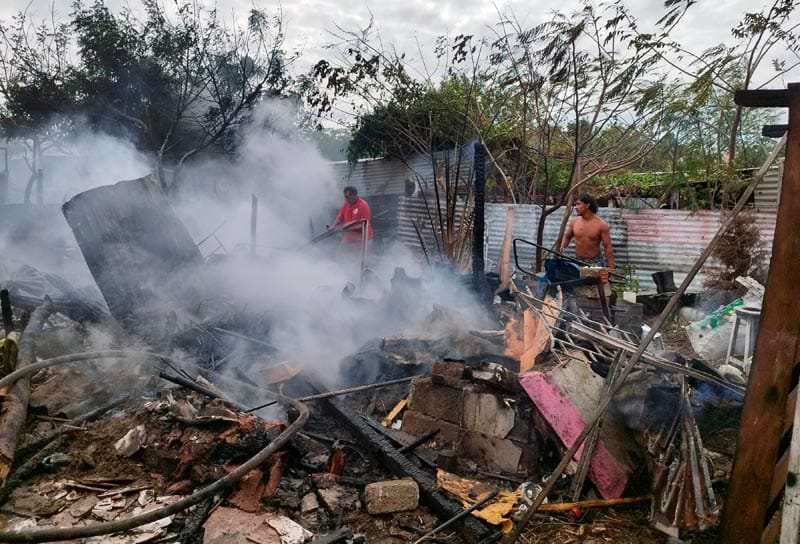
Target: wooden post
x,y
253,223
759,468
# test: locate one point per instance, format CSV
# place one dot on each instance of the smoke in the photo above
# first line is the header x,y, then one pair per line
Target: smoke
x,y
310,295
301,287
38,236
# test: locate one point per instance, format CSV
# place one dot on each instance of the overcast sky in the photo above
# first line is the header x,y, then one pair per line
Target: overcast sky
x,y
310,22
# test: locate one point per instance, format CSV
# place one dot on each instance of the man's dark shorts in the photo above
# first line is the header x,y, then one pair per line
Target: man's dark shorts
x,y
599,260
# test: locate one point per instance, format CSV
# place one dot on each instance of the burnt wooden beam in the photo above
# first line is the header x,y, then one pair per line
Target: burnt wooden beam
x,y
774,131
14,407
755,483
472,530
762,98
139,252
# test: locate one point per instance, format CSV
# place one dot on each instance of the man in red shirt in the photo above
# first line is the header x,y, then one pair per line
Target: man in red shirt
x,y
353,209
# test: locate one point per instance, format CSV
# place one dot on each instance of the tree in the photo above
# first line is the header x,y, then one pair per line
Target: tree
x,y
178,86
728,68
555,105
36,89
593,99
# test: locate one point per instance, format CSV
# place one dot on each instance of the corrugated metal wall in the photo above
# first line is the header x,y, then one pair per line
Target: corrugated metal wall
x,y
413,211
526,221
674,240
373,176
649,240
383,177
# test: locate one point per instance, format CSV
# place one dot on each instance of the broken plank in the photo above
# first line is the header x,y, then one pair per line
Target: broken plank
x,y
392,415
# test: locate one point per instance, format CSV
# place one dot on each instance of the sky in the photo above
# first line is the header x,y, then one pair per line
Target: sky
x,y
310,24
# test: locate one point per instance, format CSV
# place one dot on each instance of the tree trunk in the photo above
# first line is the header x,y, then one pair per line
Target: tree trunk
x,y
737,119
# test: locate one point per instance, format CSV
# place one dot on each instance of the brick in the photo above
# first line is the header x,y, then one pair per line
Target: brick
x,y
437,401
486,413
391,496
418,424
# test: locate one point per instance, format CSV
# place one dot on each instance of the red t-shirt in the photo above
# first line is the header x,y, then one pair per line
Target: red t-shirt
x,y
359,210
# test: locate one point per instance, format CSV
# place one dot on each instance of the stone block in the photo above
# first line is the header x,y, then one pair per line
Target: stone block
x,y
499,454
437,401
391,496
417,423
487,413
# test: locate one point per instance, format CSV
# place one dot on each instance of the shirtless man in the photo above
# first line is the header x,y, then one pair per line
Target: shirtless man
x,y
589,232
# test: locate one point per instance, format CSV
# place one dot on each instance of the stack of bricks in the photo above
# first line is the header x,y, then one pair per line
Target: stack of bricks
x,y
476,423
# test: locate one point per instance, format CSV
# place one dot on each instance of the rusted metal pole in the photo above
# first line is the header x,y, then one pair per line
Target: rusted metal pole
x,y
340,392
253,223
478,223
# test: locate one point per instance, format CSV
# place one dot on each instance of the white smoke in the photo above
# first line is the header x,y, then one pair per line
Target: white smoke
x,y
299,284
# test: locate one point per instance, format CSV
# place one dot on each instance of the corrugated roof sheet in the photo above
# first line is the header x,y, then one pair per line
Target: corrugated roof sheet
x,y
767,193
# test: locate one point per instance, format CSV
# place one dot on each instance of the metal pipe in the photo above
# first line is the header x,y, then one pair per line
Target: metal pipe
x,y
330,394
253,223
454,519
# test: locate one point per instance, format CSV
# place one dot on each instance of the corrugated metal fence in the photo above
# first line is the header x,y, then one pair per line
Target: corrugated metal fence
x,y
648,240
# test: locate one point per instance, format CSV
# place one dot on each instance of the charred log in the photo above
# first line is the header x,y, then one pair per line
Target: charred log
x,y
15,404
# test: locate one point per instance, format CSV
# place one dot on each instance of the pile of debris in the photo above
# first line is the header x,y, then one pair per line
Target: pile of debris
x,y
440,431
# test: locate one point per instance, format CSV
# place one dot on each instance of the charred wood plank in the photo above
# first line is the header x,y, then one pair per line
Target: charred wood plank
x,y
8,315
397,437
445,508
137,251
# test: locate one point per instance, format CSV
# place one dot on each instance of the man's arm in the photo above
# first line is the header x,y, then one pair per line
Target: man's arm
x,y
567,238
338,219
605,237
